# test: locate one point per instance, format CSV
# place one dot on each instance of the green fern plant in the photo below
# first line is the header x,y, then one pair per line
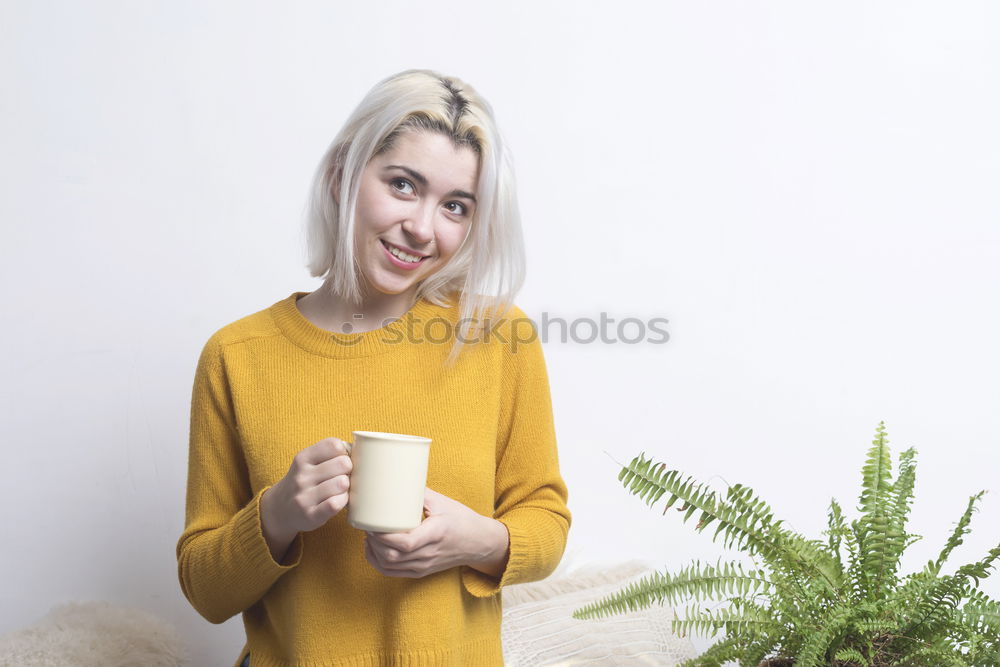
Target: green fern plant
x,y
806,602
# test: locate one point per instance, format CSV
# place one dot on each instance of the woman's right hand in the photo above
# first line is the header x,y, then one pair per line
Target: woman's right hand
x,y
313,491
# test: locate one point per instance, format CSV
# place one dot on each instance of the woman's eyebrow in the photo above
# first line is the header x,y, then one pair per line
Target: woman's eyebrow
x,y
419,178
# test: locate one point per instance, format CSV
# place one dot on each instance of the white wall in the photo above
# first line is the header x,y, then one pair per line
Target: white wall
x,y
807,193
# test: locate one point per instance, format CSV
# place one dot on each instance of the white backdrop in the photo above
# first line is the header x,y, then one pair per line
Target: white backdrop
x,y
806,192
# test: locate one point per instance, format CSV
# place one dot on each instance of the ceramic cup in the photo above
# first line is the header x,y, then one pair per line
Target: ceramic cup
x,y
388,480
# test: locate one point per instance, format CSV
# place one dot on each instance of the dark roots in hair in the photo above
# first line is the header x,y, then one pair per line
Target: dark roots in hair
x,y
457,105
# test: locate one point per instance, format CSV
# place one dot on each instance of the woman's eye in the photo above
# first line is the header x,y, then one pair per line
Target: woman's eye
x,y
403,181
403,186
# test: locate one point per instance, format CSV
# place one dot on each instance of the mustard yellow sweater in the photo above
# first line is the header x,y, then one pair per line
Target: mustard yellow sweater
x,y
271,384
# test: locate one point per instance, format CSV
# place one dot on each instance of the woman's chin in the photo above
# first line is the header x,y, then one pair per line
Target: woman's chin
x,y
392,287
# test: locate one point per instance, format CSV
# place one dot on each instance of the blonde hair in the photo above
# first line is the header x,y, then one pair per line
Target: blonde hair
x,y
488,269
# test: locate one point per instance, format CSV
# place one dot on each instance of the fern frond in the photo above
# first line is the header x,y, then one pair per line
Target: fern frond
x,y
851,655
902,488
880,545
733,622
938,654
984,651
876,474
744,521
981,569
835,622
836,529
646,483
879,539
986,658
982,615
855,575
754,653
754,511
955,539
696,581
935,608
902,497
719,653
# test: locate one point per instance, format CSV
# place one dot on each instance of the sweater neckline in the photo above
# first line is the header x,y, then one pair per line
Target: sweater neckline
x,y
398,333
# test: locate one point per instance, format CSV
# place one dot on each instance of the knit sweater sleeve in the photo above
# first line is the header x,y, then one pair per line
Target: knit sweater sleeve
x,y
530,495
224,563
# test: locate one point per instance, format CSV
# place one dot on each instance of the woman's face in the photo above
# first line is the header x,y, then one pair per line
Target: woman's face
x,y
419,199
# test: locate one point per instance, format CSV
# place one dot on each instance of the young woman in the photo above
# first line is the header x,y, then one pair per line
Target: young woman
x,y
413,225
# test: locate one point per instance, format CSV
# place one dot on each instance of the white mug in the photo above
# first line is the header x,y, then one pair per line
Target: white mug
x,y
388,480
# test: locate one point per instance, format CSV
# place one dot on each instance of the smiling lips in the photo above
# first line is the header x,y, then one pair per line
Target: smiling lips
x,y
398,259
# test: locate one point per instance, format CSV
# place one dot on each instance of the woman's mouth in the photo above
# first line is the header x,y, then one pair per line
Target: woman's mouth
x,y
400,258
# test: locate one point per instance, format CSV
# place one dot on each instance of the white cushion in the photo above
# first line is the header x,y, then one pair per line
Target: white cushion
x,y
539,628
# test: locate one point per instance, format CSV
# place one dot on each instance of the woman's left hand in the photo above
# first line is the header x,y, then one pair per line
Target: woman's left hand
x,y
451,535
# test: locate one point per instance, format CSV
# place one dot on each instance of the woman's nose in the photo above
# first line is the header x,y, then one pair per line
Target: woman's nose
x,y
420,225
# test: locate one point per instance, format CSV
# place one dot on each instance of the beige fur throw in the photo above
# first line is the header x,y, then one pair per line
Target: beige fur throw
x,y
94,634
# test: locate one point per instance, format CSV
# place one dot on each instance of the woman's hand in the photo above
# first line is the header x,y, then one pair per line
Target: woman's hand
x,y
451,535
313,491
